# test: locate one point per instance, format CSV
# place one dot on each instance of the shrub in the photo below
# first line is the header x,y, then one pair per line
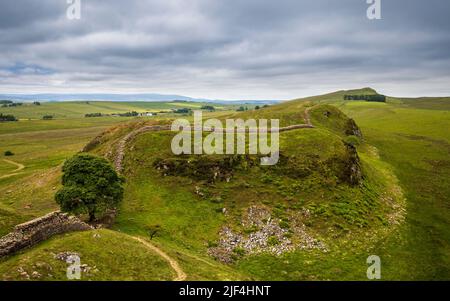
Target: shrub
x,y
208,108
90,186
352,140
9,153
241,109
7,117
47,117
153,230
183,111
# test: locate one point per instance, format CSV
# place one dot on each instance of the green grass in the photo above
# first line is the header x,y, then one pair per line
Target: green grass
x,y
404,155
43,145
416,142
170,204
191,222
61,124
111,255
77,109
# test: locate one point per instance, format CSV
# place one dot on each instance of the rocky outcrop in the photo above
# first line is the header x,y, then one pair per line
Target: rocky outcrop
x,y
268,235
352,171
351,128
32,232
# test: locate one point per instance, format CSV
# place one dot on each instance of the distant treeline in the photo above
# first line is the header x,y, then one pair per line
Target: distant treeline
x,y
376,97
182,111
7,117
93,115
9,103
127,114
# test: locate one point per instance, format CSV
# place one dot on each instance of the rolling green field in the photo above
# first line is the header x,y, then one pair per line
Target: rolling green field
x,y
41,147
399,211
77,109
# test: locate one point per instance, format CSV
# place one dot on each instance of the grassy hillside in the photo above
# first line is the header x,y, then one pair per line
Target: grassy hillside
x,y
416,142
41,146
106,253
316,212
333,199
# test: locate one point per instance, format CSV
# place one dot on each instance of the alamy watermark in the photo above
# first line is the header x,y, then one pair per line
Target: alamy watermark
x,y
261,139
73,11
74,269
374,10
374,269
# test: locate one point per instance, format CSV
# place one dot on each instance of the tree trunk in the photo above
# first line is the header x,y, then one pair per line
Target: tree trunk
x,y
91,216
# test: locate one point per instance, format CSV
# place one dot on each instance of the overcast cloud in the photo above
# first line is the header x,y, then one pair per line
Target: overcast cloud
x,y
228,49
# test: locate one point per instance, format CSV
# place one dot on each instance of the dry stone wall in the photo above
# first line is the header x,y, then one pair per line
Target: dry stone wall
x,y
32,232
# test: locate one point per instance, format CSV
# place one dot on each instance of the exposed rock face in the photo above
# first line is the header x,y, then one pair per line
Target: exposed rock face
x,y
351,128
353,173
30,233
268,237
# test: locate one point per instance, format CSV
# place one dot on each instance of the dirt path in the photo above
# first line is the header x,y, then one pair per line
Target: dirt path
x,y
181,276
14,172
307,116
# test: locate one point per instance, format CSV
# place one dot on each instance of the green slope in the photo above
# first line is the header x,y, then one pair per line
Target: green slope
x,y
416,142
110,255
334,224
188,207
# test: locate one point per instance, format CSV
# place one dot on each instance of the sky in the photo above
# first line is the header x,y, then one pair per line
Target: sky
x,y
228,49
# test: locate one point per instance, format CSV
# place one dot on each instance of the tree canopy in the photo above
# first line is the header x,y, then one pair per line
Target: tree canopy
x,y
90,186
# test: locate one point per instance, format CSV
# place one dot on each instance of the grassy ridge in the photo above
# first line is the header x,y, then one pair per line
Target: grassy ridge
x,y
192,221
416,142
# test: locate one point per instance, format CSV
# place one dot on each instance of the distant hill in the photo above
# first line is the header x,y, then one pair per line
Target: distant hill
x,y
120,97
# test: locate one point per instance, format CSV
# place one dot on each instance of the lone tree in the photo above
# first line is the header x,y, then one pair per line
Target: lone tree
x,y
90,186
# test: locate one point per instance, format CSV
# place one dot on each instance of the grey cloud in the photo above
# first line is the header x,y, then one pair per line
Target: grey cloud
x,y
226,49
